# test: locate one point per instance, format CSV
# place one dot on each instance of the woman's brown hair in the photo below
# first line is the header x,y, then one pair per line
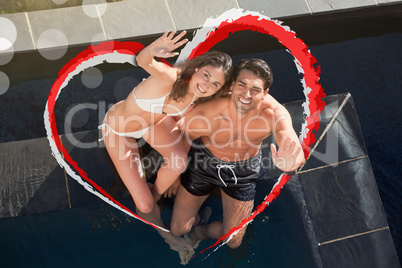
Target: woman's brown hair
x,y
214,59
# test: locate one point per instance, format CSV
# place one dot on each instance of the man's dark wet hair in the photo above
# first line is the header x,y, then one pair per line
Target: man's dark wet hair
x,y
258,67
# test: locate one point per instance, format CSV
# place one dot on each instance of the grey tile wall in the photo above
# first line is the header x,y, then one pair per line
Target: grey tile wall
x,y
276,9
189,16
131,18
76,26
336,5
23,40
136,18
388,1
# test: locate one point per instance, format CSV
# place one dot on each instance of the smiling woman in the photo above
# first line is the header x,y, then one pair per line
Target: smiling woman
x,y
15,6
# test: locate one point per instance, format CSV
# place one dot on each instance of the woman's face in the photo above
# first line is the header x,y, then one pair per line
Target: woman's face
x,y
206,81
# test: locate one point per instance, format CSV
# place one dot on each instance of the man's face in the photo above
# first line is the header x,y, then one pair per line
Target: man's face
x,y
247,91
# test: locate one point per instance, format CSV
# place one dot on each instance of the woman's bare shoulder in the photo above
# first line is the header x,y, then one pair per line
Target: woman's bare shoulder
x,y
153,87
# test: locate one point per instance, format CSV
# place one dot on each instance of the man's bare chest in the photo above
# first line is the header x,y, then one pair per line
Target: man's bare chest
x,y
241,132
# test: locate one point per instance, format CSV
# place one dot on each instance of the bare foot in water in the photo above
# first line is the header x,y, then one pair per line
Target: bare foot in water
x,y
192,237
186,251
186,256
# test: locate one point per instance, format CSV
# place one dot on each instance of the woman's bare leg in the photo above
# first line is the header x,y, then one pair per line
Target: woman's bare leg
x,y
165,138
126,158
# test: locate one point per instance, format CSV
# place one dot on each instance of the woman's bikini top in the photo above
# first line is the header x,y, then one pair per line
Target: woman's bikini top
x,y
156,105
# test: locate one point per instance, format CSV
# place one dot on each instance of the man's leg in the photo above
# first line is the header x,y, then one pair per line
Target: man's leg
x,y
234,211
185,211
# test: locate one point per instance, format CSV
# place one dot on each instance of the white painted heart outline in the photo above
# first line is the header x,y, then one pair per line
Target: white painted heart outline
x,y
214,31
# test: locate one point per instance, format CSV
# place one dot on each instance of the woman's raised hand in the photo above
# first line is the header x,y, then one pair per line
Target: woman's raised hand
x,y
164,45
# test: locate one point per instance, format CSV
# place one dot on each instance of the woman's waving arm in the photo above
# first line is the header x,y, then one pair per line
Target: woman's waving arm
x,y
162,47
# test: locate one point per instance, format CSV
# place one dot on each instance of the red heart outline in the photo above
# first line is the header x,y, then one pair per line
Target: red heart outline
x,y
249,21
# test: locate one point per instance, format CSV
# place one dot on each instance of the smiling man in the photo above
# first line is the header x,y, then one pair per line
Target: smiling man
x,y
227,134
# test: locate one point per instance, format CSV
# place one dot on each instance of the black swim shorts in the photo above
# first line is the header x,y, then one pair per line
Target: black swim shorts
x,y
205,172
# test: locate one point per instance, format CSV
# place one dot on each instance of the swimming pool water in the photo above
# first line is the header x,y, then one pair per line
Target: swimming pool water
x,y
101,236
